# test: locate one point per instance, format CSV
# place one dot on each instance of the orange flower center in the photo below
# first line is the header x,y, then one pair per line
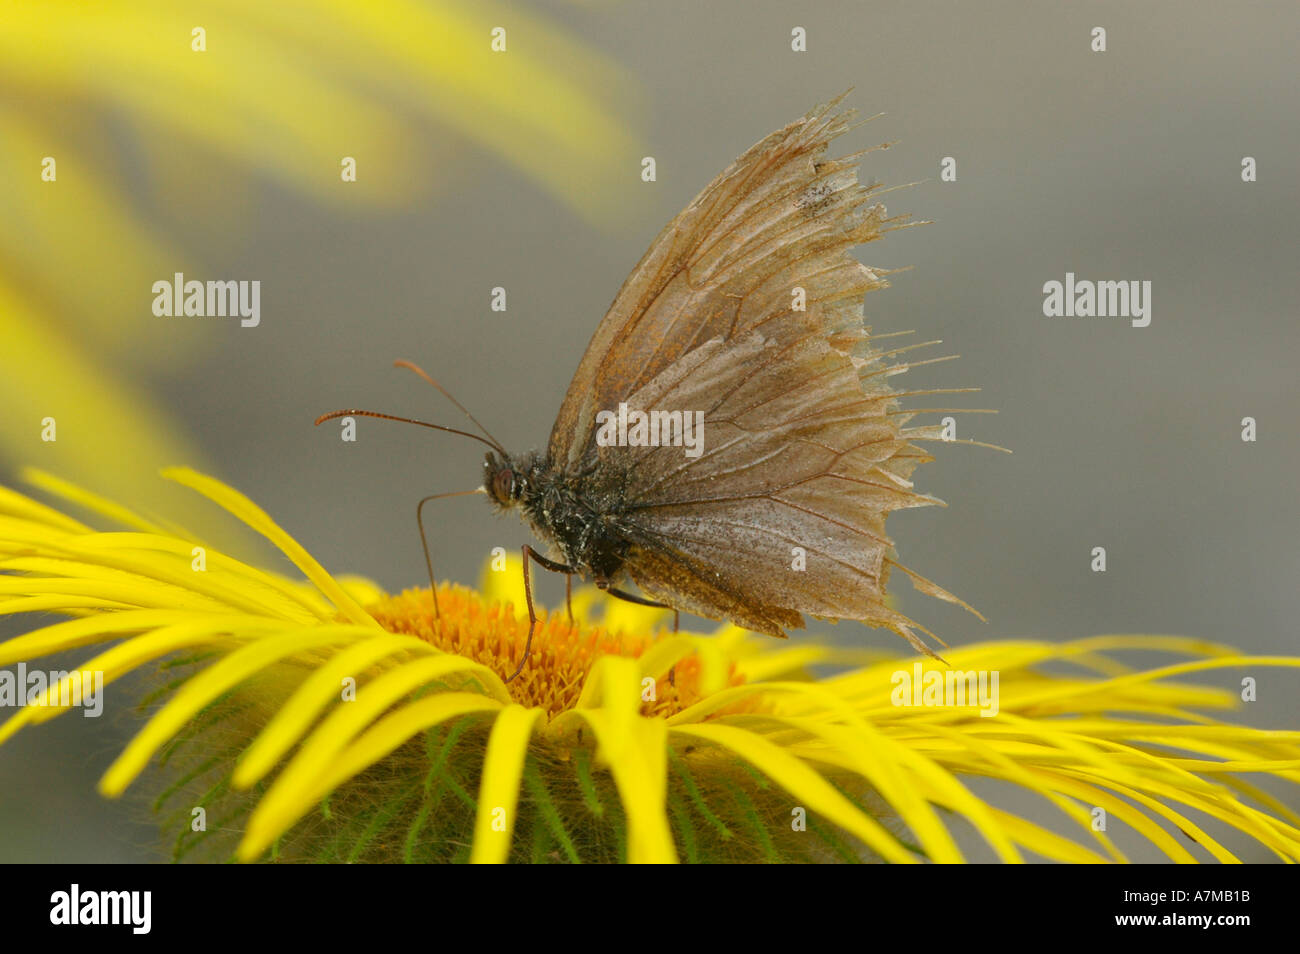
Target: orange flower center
x,y
562,655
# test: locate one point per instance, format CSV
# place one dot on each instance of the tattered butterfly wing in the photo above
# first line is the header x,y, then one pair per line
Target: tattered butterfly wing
x,y
717,270
797,454
805,444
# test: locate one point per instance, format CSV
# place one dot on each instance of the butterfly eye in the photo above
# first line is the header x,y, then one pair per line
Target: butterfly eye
x,y
503,484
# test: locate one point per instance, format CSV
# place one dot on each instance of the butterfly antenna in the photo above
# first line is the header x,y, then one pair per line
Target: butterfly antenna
x,y
348,412
402,363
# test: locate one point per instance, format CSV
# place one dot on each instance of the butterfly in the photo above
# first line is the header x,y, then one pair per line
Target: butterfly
x,y
746,314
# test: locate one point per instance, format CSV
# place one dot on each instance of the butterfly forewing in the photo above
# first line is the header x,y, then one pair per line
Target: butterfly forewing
x,y
698,281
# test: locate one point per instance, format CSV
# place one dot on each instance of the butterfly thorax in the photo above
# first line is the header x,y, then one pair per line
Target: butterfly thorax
x,y
580,515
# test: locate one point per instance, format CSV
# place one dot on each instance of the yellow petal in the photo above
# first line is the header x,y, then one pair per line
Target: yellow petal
x,y
257,518
803,783
206,686
635,749
321,688
271,818
503,767
297,787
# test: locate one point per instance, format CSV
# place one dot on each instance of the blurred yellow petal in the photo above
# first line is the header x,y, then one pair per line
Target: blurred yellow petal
x,y
282,92
97,416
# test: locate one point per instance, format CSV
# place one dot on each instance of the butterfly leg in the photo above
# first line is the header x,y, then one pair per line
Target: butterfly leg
x,y
549,564
530,553
642,601
568,572
672,673
629,597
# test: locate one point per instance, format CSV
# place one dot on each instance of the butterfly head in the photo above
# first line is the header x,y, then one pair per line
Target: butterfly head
x,y
503,480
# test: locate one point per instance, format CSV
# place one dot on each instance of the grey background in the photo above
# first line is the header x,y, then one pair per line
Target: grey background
x,y
1122,165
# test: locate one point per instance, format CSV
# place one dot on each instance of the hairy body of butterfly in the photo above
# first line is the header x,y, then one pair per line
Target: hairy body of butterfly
x,y
747,307
582,516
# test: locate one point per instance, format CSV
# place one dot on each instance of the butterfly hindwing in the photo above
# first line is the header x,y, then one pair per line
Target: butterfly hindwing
x,y
785,506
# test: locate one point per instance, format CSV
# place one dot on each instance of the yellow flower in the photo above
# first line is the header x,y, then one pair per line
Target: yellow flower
x,y
326,720
103,100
